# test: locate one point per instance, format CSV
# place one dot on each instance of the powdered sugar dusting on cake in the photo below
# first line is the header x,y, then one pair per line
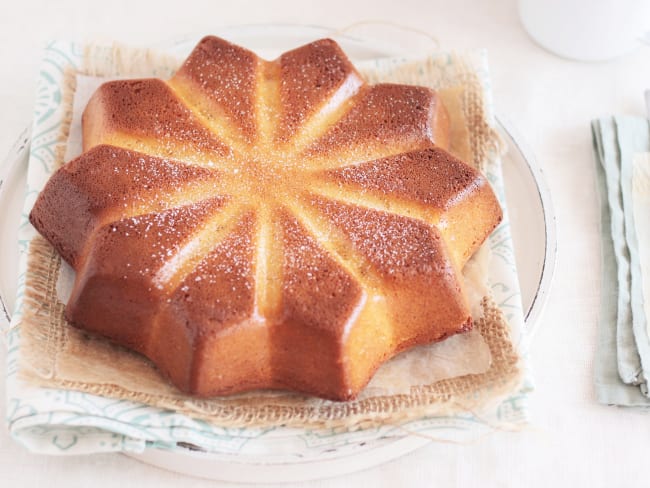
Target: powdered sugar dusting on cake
x,y
395,245
315,84
431,177
220,288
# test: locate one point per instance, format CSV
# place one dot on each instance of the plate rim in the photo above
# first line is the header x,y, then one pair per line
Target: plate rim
x,y
9,167
532,315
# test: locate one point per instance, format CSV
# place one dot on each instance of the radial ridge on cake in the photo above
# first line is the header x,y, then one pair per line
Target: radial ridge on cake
x,y
253,224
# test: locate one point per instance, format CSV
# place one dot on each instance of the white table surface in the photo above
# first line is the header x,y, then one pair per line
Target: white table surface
x,y
572,441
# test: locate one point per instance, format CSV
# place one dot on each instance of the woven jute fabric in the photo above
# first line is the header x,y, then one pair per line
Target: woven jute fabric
x,y
55,354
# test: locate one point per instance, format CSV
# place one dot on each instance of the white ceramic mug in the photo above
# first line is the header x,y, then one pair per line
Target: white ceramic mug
x,y
587,30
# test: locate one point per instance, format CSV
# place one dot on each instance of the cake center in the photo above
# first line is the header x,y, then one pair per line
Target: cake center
x,y
262,180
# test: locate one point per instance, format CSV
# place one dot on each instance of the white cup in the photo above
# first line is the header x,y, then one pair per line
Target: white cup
x,y
587,30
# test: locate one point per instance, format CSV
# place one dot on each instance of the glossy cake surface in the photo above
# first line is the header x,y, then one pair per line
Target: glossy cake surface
x,y
267,224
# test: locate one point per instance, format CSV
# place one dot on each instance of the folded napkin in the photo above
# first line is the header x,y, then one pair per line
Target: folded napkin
x,y
62,420
622,148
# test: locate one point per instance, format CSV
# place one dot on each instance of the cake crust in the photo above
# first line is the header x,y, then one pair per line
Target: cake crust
x,y
267,224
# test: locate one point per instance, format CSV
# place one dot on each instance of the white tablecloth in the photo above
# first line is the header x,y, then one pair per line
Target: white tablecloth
x,y
572,441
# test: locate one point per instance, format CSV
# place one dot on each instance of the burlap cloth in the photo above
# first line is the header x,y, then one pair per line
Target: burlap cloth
x,y
55,354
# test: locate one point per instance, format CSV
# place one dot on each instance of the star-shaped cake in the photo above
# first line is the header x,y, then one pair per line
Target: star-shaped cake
x,y
267,224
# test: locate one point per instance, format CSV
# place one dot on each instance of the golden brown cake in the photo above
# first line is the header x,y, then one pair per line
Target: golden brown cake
x,y
252,224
